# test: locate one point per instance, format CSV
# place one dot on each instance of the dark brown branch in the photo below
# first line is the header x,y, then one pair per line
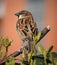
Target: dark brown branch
x,y
44,32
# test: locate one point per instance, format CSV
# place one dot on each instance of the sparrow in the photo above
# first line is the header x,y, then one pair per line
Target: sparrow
x,y
25,25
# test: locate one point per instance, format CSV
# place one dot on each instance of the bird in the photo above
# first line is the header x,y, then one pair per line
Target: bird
x,y
25,24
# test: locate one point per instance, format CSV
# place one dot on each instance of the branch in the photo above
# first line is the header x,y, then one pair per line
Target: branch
x,y
43,33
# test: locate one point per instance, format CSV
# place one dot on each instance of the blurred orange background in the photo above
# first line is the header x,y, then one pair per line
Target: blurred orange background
x,y
51,19
8,23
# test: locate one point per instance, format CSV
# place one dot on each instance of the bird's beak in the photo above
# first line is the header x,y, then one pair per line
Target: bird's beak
x,y
17,14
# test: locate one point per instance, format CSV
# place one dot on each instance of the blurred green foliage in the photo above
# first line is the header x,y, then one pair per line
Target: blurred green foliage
x,y
4,41
44,57
10,61
4,45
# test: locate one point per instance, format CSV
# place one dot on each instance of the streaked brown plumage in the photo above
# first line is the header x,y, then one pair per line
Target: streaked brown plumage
x,y
25,24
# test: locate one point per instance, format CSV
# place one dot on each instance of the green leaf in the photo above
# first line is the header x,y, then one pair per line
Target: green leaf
x,y
4,41
29,57
1,41
36,38
41,49
38,61
55,61
10,61
41,57
54,54
1,52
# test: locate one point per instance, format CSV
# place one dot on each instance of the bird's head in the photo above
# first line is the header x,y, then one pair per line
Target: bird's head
x,y
23,14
